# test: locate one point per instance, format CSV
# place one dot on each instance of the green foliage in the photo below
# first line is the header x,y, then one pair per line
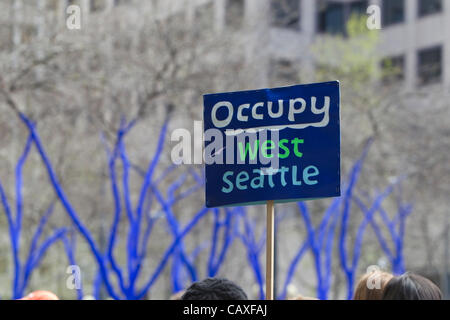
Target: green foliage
x,y
353,58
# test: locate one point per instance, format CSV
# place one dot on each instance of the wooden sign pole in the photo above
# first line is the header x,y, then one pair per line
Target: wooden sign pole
x,y
269,250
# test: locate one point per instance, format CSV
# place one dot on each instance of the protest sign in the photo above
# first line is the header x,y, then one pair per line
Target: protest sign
x,y
272,145
279,144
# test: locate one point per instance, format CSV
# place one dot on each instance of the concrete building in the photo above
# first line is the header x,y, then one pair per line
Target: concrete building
x,y
415,34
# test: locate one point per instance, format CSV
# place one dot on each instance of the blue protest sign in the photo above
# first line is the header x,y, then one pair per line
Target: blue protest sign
x,y
279,144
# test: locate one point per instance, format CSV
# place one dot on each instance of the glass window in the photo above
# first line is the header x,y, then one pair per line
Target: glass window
x,y
393,12
331,18
286,13
359,7
393,69
427,7
97,5
430,65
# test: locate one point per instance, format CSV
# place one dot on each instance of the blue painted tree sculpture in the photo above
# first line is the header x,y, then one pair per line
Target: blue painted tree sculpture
x,y
136,243
126,280
138,236
320,239
23,270
344,203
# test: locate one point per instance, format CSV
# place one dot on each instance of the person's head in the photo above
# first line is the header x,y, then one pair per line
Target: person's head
x,y
177,296
303,298
371,286
410,286
40,295
214,289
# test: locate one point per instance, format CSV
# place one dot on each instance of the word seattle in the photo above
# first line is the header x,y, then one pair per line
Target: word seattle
x,y
281,144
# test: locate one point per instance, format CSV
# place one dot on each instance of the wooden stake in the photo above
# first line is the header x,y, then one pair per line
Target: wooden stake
x,y
269,249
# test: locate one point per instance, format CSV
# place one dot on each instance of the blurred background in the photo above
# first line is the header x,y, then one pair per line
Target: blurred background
x,y
146,60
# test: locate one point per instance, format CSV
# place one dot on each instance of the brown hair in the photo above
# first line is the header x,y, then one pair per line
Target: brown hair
x,y
365,292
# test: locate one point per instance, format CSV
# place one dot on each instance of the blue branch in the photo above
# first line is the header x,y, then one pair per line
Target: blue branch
x,y
329,246
253,252
115,224
19,205
42,250
170,250
33,246
367,218
14,244
228,238
216,226
66,204
377,230
173,224
69,246
347,198
133,258
19,169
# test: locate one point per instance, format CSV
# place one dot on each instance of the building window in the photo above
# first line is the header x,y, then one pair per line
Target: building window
x,y
430,65
393,12
331,18
427,7
333,15
235,13
393,69
359,7
52,4
286,14
97,5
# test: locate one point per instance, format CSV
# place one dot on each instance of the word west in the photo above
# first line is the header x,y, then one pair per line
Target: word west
x,y
252,147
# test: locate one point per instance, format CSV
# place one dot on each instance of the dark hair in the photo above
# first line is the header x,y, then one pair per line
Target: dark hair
x,y
214,289
411,286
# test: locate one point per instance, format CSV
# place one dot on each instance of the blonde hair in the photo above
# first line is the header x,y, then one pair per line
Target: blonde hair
x,y
364,292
